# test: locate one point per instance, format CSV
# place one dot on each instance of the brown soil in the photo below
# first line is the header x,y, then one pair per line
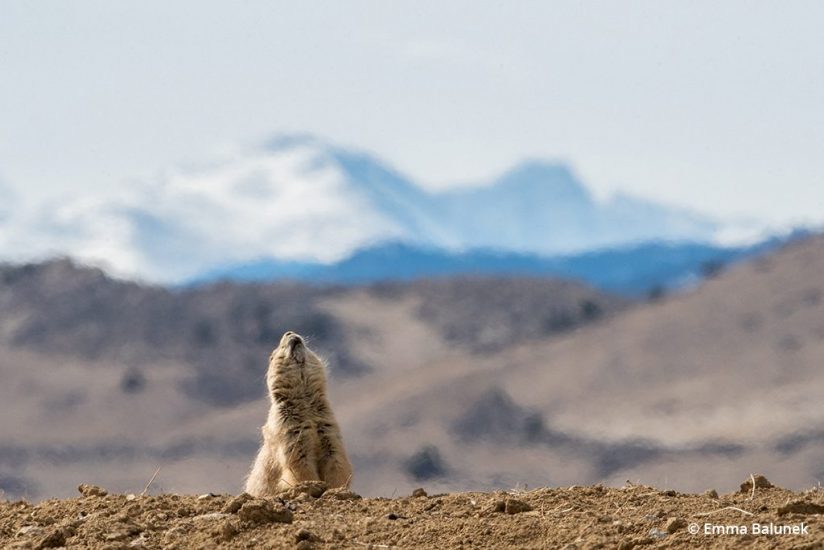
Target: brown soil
x,y
307,517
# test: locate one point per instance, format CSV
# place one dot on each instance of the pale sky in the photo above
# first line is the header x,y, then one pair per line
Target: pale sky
x,y
717,106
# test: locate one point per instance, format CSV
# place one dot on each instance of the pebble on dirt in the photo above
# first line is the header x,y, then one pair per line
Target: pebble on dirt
x,y
674,524
761,482
259,511
514,506
92,490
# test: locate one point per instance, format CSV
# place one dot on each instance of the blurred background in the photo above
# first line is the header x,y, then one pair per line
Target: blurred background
x,y
541,244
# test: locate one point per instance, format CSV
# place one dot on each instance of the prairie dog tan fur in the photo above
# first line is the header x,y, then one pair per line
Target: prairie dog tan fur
x,y
301,438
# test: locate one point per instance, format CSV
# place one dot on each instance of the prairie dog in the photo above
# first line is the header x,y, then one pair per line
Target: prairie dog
x,y
301,438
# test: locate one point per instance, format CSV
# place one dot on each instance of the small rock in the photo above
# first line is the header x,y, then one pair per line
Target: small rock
x,y
314,489
514,506
657,533
131,496
92,490
305,534
419,492
341,493
259,511
304,545
234,505
122,534
674,524
669,493
55,539
801,507
33,530
45,520
212,516
761,482
173,533
497,507
206,496
298,499
139,542
635,543
392,516
228,530
711,493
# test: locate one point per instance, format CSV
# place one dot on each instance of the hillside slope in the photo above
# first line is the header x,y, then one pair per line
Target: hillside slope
x,y
463,384
681,392
114,377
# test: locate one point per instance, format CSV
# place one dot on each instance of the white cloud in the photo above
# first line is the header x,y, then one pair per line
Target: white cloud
x,y
289,204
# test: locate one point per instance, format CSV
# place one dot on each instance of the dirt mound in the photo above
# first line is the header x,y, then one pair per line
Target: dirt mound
x,y
575,517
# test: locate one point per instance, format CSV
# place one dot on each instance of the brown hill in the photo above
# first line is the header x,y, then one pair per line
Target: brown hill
x,y
458,385
113,378
684,393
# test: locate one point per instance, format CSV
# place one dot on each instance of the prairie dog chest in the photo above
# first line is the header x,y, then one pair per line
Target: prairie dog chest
x,y
300,402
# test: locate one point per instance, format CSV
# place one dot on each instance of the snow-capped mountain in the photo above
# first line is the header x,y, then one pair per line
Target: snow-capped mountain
x,y
542,208
302,199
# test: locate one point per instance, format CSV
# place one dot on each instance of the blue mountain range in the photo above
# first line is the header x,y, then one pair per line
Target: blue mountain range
x,y
632,271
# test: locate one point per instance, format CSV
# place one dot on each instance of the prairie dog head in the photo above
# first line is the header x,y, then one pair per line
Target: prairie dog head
x,y
292,349
292,360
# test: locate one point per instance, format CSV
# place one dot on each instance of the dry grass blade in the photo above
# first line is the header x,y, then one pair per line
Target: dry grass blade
x,y
146,488
702,514
557,510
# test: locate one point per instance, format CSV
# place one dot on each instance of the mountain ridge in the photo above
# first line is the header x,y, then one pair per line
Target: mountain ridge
x,y
300,198
631,270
